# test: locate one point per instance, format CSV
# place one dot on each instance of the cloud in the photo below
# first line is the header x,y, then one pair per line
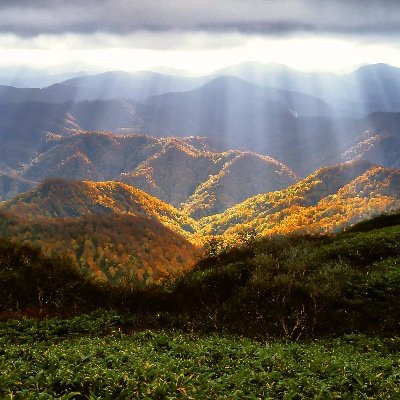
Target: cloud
x,y
268,17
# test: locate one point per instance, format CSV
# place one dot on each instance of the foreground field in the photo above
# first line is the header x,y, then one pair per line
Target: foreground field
x,y
90,357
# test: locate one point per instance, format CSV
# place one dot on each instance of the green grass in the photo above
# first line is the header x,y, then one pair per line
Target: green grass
x,y
89,357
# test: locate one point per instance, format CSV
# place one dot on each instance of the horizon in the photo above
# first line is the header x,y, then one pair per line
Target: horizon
x,y
306,35
165,70
184,62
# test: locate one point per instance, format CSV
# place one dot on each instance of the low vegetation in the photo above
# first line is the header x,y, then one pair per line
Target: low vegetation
x,y
92,357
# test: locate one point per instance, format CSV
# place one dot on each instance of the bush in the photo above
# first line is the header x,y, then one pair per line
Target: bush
x,y
30,281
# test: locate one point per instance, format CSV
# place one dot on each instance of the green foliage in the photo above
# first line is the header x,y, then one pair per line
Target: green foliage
x,y
170,365
296,287
381,221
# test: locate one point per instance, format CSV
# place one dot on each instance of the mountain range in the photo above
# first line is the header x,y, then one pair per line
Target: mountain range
x,y
129,173
367,89
256,110
113,230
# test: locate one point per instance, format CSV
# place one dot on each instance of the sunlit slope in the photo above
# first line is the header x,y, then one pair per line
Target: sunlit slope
x,y
123,248
172,169
207,182
243,176
327,200
61,198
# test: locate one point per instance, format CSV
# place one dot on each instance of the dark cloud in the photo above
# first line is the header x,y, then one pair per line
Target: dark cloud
x,y
273,17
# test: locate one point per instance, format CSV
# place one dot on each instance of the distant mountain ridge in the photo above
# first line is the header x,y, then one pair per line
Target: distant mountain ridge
x,y
110,85
368,89
303,131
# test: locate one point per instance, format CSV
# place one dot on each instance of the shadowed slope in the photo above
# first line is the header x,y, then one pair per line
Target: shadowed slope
x,y
12,184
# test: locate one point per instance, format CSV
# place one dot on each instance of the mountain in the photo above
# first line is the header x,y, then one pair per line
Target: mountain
x,y
116,232
123,248
244,175
175,171
135,85
377,85
328,199
378,142
236,114
339,193
12,184
369,89
280,76
27,77
10,94
110,230
105,86
227,109
38,139
39,117
26,127
232,113
232,89
91,156
172,169
31,149
57,198
207,181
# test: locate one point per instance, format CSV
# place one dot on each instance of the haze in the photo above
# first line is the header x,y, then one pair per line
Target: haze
x,y
198,37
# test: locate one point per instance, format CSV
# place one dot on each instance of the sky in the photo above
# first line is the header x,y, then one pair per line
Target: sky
x,y
198,35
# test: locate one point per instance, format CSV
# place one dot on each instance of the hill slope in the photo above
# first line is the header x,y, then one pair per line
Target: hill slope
x,y
244,175
378,140
12,184
122,248
326,200
60,199
172,169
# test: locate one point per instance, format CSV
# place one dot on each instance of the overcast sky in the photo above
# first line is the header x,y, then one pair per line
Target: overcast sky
x,y
199,35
